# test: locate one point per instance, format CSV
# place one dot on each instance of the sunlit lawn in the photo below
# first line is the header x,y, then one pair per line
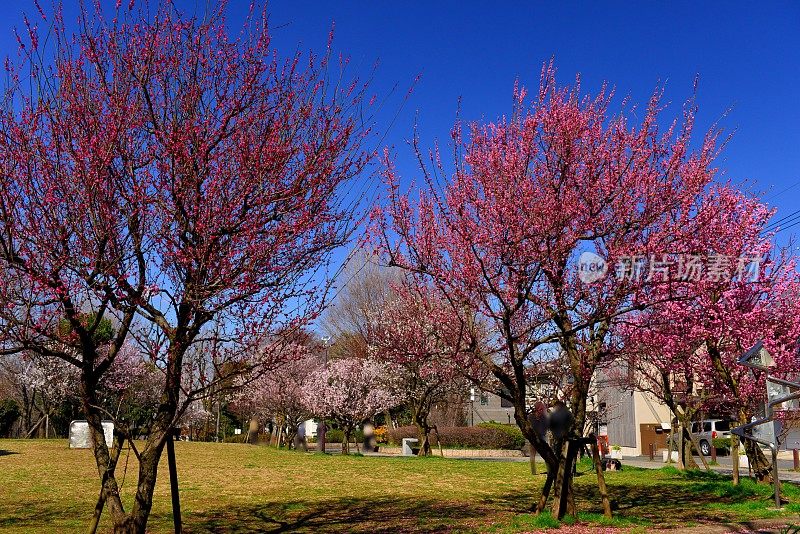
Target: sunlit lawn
x,y
46,487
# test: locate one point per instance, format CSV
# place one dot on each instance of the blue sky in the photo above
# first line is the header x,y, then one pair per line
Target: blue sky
x,y
748,60
747,57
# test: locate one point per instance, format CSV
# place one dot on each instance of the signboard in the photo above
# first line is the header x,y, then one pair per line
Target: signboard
x,y
787,430
80,438
790,440
757,358
767,430
782,394
760,430
765,433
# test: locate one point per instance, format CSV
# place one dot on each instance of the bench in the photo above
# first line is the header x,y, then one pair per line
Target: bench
x,y
408,450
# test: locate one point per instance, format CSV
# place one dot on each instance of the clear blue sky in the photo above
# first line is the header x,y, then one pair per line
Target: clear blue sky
x,y
747,55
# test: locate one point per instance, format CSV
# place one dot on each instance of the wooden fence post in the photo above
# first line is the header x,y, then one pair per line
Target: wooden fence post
x,y
601,479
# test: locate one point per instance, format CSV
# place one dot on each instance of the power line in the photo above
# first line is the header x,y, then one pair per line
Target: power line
x,y
792,214
773,195
789,219
774,225
796,223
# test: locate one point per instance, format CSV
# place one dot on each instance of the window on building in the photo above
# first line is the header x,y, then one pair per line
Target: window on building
x,y
484,399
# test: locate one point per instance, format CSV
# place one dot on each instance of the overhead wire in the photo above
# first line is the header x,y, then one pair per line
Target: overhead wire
x,y
793,216
773,195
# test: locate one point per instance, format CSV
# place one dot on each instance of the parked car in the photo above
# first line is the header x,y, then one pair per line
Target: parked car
x,y
709,429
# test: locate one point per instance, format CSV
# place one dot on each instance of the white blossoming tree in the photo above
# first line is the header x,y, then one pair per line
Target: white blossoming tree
x,y
349,391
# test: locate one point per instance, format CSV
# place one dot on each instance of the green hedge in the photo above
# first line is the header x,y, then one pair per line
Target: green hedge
x,y
9,413
242,438
337,436
723,444
512,431
484,436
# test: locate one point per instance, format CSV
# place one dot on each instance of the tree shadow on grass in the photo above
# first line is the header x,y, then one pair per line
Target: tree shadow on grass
x,y
680,500
383,515
675,502
4,452
31,514
672,505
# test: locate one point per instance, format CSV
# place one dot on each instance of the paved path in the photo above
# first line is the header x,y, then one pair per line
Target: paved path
x,y
724,464
724,467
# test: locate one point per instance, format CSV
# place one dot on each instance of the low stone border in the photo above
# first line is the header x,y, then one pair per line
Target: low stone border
x,y
448,453
461,453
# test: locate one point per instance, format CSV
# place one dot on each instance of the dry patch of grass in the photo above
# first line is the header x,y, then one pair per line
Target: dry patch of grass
x,y
46,487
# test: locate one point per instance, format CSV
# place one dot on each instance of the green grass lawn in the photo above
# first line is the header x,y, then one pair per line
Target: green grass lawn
x,y
46,487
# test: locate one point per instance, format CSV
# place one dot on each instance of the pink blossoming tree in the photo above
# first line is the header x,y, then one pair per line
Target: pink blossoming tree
x,y
426,346
279,394
685,349
500,234
181,181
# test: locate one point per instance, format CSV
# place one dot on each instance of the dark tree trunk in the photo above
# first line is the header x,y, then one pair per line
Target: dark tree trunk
x,y
346,441
694,445
542,447
148,471
134,522
387,417
564,496
684,445
425,444
105,459
548,484
759,464
419,418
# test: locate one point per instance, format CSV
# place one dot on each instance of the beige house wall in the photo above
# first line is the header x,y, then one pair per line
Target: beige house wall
x,y
647,410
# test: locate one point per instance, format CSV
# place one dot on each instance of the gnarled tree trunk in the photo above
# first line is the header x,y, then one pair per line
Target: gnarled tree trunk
x,y
425,443
760,466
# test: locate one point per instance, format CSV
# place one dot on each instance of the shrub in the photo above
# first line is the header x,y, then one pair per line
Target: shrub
x,y
9,413
381,434
396,435
516,439
263,437
721,444
335,435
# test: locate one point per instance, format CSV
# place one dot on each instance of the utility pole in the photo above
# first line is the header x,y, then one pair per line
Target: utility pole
x,y
217,420
472,406
322,428
325,340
